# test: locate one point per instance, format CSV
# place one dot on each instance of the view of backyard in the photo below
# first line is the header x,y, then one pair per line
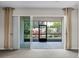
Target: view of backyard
x,y
26,29
54,30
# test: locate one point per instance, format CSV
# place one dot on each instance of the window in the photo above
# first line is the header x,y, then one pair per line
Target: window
x,y
54,31
26,20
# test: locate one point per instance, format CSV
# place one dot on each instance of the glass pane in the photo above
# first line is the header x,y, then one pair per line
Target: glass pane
x,y
54,31
35,31
42,31
26,29
42,22
26,25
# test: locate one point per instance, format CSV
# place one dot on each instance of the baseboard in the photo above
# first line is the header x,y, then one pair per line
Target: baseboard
x,y
7,49
74,48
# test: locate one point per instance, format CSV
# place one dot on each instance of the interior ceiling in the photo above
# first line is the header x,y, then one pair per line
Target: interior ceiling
x,y
38,4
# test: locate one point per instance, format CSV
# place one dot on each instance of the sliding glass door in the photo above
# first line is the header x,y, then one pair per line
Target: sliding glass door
x,y
51,31
25,31
47,33
39,33
54,31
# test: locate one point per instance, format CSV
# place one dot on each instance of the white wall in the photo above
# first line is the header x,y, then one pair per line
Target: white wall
x,y
38,11
16,32
74,29
1,30
78,30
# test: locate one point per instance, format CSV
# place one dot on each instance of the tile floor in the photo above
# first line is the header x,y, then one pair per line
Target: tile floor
x,y
39,53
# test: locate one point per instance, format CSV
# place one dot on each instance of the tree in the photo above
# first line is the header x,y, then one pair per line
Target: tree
x,y
26,28
56,25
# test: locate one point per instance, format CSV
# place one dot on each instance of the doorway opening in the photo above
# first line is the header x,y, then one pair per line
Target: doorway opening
x,y
47,32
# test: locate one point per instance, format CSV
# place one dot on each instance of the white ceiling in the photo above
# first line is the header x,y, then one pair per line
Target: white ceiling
x,y
38,4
